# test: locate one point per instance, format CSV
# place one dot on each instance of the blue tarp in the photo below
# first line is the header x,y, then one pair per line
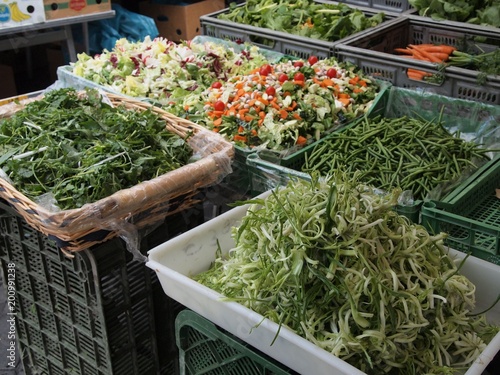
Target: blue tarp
x,y
103,34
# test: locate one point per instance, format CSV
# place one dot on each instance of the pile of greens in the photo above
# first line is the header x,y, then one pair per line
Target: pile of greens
x,y
481,12
408,153
78,149
305,18
333,262
172,74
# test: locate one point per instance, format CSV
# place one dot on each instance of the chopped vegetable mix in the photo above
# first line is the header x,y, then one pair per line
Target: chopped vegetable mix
x,y
333,262
78,149
287,104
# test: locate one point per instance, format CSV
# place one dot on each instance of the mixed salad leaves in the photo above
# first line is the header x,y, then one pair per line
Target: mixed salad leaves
x,y
164,71
287,104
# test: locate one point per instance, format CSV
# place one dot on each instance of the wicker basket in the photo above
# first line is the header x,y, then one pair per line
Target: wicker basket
x,y
126,211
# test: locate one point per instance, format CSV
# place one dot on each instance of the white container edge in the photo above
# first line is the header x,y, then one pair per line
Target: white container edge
x,y
192,252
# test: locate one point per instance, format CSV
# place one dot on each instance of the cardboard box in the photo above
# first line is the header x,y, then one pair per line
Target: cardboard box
x,y
21,13
181,21
8,86
55,9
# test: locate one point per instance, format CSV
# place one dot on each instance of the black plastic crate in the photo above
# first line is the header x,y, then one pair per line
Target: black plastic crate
x,y
395,6
373,52
279,41
99,312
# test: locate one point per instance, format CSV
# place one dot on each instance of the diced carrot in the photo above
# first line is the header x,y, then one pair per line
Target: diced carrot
x,y
248,118
354,80
362,82
218,121
241,129
240,138
283,114
274,104
240,85
254,132
296,116
262,114
357,90
327,83
263,101
300,83
343,95
217,113
260,122
301,140
344,101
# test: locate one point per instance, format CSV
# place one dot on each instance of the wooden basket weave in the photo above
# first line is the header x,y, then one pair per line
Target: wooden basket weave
x,y
144,204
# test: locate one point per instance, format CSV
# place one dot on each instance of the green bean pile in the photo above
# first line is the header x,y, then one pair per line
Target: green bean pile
x,y
410,153
333,262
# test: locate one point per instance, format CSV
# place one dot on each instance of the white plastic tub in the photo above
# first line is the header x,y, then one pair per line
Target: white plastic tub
x,y
192,252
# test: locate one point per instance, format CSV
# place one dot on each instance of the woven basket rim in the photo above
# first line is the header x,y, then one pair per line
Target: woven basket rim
x,y
74,224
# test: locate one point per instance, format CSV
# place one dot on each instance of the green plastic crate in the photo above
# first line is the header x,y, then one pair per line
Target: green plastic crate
x,y
100,312
206,349
472,119
470,215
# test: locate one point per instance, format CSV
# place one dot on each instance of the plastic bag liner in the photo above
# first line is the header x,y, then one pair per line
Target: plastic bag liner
x,y
103,34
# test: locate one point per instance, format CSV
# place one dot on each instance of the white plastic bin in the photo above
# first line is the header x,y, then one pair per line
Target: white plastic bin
x,y
192,252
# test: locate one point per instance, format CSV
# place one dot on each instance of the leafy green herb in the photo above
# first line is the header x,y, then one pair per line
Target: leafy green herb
x,y
474,11
486,63
341,269
306,18
79,149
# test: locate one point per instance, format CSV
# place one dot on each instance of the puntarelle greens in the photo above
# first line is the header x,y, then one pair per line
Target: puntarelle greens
x,y
79,149
331,260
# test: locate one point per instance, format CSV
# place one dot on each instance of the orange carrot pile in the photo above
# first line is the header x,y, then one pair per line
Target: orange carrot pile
x,y
425,52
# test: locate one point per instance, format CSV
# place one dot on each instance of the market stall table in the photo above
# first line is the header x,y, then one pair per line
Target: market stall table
x,y
16,37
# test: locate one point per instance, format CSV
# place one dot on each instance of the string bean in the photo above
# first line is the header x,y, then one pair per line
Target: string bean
x,y
409,153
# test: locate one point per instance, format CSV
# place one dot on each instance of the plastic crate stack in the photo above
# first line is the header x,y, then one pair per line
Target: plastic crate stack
x,y
99,312
82,298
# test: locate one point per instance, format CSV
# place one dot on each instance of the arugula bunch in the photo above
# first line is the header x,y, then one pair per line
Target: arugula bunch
x,y
79,149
